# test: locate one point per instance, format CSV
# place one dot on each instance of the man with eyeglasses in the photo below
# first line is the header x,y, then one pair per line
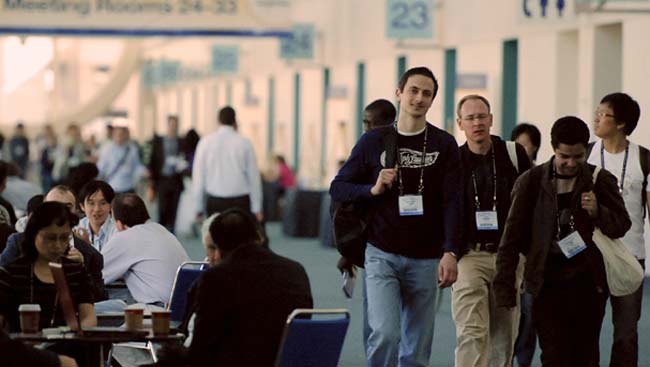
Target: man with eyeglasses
x,y
485,333
615,119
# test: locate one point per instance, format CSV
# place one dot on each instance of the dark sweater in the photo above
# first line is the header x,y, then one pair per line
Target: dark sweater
x,y
424,236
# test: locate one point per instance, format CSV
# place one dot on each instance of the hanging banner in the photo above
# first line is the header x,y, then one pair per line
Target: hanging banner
x,y
147,17
301,43
409,19
225,59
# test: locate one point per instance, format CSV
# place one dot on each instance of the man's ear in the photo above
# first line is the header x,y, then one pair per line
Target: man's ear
x,y
120,226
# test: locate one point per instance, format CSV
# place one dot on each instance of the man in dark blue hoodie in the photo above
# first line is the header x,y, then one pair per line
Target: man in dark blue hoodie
x,y
413,235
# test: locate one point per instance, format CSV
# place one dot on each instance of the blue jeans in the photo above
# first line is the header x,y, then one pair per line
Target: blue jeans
x,y
401,295
626,312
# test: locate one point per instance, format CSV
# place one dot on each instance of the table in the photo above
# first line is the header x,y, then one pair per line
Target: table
x,y
110,336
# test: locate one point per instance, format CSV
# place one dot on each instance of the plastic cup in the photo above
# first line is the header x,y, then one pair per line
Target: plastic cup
x,y
160,322
30,315
133,317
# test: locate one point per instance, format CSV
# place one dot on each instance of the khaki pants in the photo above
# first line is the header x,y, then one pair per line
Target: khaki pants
x,y
485,333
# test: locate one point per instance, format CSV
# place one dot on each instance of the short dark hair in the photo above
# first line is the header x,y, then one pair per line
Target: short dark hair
x,y
81,175
130,209
383,110
569,130
44,215
227,116
92,187
470,97
533,134
626,110
34,202
420,70
233,228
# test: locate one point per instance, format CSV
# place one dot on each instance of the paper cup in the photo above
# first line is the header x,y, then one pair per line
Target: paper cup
x,y
160,322
133,317
30,315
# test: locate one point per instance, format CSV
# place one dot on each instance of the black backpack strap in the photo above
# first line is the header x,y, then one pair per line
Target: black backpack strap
x,y
389,134
644,158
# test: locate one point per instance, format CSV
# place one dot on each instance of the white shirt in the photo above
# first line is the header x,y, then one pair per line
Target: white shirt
x,y
106,231
632,187
225,166
147,257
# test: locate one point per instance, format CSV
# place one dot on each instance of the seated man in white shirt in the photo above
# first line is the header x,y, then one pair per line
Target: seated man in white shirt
x,y
144,253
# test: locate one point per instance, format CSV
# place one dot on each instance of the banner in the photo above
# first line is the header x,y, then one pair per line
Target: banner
x,y
147,17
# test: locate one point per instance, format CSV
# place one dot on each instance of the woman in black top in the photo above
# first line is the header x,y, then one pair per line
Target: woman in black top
x,y
29,279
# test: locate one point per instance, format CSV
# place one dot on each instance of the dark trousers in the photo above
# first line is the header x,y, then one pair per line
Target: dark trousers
x,y
568,319
217,204
169,193
626,312
527,338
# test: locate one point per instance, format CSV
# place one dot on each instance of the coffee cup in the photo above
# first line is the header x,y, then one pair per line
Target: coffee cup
x,y
30,315
133,317
160,322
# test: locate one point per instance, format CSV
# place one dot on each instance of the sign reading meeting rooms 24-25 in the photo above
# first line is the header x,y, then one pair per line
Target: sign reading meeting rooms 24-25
x,y
142,17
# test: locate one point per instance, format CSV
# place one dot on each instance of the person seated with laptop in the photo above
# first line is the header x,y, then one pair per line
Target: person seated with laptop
x,y
29,280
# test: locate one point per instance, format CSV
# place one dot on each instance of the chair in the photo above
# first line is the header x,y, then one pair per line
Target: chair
x,y
310,342
187,273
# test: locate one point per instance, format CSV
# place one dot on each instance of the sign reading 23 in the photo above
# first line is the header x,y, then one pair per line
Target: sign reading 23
x,y
409,18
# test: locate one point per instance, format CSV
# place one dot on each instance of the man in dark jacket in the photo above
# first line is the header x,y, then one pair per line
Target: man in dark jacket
x,y
555,209
166,167
244,301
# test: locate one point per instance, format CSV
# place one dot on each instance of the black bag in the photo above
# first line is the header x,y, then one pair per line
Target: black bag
x,y
350,220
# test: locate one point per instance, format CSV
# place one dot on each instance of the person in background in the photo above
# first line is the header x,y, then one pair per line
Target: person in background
x,y
225,173
378,113
70,153
97,227
119,164
19,149
529,137
18,191
7,212
15,353
80,176
166,168
616,118
48,146
555,209
192,139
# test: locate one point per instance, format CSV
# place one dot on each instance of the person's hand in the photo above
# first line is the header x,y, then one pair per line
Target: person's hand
x,y
151,194
75,255
447,270
66,361
589,203
82,234
385,179
345,265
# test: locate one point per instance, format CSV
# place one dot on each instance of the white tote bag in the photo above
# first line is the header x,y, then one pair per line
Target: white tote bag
x,y
624,273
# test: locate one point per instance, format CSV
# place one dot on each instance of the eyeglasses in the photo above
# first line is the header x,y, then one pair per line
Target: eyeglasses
x,y
51,238
602,114
479,117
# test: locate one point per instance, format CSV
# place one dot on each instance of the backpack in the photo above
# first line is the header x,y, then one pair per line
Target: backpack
x,y
350,220
644,159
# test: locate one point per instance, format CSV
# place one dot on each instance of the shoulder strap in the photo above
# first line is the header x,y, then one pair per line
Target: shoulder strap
x,y
594,175
644,158
512,152
390,145
590,147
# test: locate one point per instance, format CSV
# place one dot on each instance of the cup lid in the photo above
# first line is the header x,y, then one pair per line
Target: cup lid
x,y
29,307
163,312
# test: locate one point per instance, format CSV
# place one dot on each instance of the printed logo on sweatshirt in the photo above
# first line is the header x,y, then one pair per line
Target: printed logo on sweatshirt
x,y
410,158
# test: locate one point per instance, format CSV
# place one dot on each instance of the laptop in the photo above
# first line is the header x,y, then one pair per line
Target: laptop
x,y
71,316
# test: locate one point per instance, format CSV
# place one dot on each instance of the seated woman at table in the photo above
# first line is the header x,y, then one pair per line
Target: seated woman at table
x,y
28,279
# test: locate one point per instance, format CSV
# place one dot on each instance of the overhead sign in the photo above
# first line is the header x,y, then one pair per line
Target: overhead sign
x,y
301,43
471,81
409,19
225,59
147,17
545,10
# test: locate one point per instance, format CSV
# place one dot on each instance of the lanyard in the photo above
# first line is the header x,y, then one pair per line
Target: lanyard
x,y
557,207
422,162
602,162
477,202
31,295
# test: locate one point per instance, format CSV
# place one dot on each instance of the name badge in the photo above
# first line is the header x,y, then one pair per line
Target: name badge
x,y
411,205
487,221
572,245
